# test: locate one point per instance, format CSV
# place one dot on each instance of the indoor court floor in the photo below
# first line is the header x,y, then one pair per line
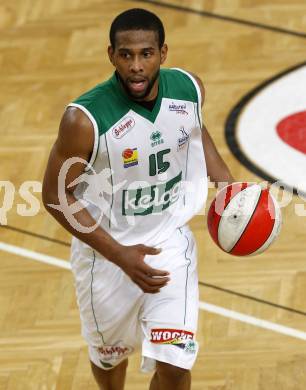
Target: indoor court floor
x,y
252,322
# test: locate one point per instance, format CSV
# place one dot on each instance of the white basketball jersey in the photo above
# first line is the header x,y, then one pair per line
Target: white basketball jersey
x,y
147,173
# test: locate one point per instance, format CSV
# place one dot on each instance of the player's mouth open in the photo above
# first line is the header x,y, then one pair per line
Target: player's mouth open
x,y
137,85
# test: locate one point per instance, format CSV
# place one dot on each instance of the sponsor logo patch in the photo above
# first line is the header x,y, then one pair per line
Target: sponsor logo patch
x,y
178,108
190,346
180,338
123,127
113,352
169,336
130,157
156,138
183,139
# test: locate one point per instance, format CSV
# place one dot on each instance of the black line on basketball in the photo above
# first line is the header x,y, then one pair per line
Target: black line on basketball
x,y
249,221
226,207
250,297
225,18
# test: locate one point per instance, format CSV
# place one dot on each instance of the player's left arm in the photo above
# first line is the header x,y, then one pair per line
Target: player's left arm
x,y
217,170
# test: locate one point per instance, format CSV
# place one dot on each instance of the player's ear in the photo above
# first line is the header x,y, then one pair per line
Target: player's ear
x,y
163,53
110,51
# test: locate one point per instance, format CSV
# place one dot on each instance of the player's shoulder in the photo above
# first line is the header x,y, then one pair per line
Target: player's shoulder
x,y
102,104
75,133
73,117
200,84
183,83
75,124
98,93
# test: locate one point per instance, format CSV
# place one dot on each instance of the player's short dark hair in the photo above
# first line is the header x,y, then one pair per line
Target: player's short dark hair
x,y
137,19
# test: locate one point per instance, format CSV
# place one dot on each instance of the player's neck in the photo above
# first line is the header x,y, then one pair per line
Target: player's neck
x,y
152,95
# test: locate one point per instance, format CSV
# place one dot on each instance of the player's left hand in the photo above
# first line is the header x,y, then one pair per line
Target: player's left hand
x,y
131,260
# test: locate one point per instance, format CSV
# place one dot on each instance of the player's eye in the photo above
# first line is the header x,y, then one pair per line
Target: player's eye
x,y
125,55
147,54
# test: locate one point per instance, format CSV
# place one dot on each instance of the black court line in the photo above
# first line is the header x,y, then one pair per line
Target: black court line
x,y
231,136
67,244
42,237
224,18
250,297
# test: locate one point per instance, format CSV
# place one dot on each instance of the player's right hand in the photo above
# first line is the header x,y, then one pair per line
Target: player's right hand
x,y
131,260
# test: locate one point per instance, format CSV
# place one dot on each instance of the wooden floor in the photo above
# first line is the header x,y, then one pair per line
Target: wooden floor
x,y
50,52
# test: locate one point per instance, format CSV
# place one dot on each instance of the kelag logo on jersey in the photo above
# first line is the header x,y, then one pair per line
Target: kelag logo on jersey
x,y
152,199
266,130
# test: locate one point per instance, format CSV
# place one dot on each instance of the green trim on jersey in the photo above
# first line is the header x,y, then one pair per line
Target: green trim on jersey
x,y
178,85
108,102
105,105
109,163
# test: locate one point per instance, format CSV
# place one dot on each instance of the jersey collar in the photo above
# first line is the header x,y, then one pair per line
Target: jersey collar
x,y
139,109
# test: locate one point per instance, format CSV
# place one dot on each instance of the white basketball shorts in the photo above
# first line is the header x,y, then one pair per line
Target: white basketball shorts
x,y
118,318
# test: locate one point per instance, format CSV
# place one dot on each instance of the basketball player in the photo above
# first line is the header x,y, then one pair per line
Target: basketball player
x,y
141,137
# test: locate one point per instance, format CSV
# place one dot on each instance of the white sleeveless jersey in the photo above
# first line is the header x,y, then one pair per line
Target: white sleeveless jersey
x,y
147,173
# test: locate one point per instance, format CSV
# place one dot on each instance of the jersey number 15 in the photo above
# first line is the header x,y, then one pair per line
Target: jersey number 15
x,y
157,163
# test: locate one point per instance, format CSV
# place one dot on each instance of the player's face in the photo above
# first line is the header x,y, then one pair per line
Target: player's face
x,y
137,59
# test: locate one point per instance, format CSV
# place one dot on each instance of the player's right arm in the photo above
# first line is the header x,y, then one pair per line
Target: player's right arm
x,y
76,139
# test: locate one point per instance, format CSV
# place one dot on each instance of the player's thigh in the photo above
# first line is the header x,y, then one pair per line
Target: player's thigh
x,y
170,318
109,304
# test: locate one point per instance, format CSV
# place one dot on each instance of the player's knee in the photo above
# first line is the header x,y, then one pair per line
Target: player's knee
x,y
173,373
111,377
123,365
